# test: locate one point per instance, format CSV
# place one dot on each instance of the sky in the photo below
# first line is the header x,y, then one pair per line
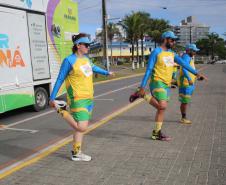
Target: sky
x,y
209,12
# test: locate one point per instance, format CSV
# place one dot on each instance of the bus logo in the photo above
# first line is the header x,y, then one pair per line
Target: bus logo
x,y
4,41
70,11
9,57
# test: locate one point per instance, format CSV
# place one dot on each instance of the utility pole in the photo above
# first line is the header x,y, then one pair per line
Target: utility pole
x,y
105,40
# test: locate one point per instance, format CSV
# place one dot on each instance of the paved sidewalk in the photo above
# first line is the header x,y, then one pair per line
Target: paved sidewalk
x,y
123,153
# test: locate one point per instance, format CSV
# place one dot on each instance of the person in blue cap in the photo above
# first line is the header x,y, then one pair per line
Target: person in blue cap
x,y
186,81
77,72
159,70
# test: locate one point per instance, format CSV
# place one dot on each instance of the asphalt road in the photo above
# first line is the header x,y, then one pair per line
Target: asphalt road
x,y
31,131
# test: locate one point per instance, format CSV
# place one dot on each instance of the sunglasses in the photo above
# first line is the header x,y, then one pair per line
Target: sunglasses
x,y
85,44
171,40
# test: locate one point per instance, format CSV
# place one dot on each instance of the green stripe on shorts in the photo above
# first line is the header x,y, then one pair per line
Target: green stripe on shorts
x,y
81,110
159,90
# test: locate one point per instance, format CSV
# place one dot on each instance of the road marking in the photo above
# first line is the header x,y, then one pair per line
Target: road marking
x,y
51,111
120,78
19,129
104,99
28,119
116,90
52,148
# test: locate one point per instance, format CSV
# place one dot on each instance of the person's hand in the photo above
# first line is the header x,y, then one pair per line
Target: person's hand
x,y
190,83
201,77
111,74
52,104
141,92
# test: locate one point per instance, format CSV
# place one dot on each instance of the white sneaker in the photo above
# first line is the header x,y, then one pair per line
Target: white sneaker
x,y
80,157
60,105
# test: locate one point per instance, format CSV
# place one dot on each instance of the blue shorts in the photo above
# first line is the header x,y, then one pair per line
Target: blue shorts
x,y
185,93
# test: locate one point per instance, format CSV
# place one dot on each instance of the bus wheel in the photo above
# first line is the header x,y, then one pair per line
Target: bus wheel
x,y
41,99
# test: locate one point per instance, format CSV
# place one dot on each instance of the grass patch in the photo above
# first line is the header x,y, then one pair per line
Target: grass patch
x,y
119,74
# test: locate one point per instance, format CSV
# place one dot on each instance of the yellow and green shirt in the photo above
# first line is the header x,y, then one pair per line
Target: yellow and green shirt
x,y
78,76
161,65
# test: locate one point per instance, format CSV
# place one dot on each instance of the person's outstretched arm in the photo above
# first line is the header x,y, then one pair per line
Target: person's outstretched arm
x,y
98,70
185,65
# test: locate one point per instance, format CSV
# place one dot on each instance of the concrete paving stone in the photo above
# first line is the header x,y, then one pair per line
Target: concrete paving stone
x,y
123,152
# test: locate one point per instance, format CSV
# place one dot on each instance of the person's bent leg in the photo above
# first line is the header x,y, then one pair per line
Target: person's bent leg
x,y
151,100
82,111
70,120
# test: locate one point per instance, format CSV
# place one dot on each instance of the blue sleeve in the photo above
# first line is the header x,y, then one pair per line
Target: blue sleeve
x,y
185,65
98,70
151,63
187,61
64,70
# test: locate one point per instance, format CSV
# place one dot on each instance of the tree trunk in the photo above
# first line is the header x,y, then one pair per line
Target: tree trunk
x,y
133,55
142,49
137,45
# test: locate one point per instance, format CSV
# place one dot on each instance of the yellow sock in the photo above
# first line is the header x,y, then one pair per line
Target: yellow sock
x,y
158,126
76,147
63,113
147,97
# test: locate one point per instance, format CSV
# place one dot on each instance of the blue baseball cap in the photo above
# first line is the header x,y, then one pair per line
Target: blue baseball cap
x,y
83,40
169,34
192,47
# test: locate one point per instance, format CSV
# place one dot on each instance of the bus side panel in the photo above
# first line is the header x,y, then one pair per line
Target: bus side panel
x,y
2,105
15,63
16,98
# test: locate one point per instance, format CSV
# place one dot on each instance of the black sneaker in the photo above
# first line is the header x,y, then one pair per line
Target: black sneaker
x,y
134,96
159,136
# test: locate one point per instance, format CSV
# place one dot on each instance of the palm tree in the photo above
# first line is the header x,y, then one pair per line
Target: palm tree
x,y
212,45
212,37
158,26
137,25
143,29
130,24
112,31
